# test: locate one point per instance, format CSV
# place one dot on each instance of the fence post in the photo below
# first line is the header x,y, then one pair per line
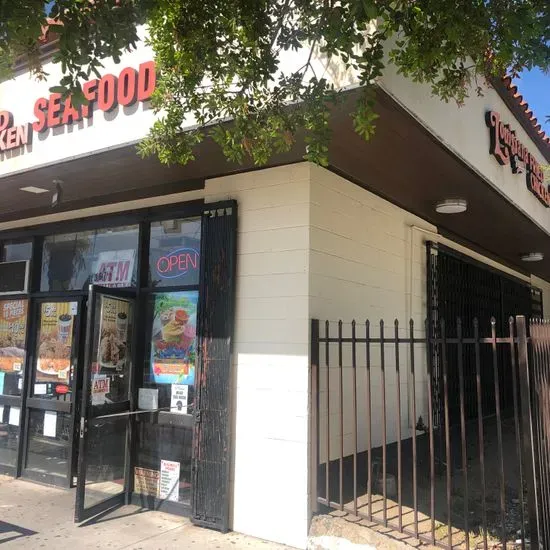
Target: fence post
x,y
527,430
314,419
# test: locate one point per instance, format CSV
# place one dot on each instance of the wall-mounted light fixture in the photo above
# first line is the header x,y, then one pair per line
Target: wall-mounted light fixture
x,y
532,257
451,206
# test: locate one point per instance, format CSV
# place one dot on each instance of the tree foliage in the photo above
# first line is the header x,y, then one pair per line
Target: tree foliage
x,y
220,60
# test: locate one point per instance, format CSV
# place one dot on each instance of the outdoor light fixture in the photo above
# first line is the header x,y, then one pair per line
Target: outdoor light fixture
x,y
58,195
33,189
451,206
533,257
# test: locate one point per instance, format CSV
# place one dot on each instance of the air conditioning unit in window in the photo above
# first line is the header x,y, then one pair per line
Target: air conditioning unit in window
x,y
14,277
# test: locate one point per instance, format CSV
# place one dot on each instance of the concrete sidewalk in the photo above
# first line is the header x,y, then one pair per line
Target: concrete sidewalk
x,y
34,516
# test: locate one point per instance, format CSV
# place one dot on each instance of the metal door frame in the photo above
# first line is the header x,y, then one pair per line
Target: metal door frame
x,y
82,513
35,403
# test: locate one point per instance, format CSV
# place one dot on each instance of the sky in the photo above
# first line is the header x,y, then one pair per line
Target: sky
x,y
534,86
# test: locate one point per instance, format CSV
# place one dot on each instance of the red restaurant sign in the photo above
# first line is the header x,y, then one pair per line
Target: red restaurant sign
x,y
508,149
106,93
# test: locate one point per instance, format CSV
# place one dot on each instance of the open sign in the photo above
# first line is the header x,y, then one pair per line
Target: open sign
x,y
177,263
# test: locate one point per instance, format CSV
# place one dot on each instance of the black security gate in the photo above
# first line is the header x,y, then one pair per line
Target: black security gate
x,y
211,447
462,288
534,362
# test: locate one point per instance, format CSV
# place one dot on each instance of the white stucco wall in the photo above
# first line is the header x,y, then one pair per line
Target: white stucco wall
x,y
368,261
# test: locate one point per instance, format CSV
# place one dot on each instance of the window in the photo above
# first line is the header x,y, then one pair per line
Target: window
x,y
107,257
174,256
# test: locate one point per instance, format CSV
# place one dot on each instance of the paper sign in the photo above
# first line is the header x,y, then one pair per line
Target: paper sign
x,y
101,385
2,375
74,308
50,424
146,482
114,268
1,414
14,416
40,389
170,480
20,384
148,399
178,402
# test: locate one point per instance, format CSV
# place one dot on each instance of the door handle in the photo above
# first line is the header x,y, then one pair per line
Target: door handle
x,y
82,426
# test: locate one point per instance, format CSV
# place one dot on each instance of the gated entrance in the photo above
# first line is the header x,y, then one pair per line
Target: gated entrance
x,y
376,451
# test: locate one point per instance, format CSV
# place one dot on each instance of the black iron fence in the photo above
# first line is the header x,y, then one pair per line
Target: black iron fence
x,y
440,432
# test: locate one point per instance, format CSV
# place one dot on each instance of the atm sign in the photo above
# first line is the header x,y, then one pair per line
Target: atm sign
x,y
177,263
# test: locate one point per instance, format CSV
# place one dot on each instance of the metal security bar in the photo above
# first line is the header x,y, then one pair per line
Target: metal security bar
x,y
378,454
534,362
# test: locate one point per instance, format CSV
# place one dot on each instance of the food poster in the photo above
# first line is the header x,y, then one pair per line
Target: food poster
x,y
55,341
113,335
13,328
173,339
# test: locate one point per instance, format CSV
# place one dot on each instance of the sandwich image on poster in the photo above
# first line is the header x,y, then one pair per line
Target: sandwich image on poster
x,y
173,341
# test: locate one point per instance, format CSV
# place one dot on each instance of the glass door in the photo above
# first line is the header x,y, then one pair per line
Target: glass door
x,y
104,430
52,392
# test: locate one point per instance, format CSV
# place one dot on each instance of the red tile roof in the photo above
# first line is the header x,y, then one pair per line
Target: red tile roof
x,y
519,106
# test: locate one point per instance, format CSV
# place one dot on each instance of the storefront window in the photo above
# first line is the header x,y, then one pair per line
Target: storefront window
x,y
106,257
13,331
175,253
17,251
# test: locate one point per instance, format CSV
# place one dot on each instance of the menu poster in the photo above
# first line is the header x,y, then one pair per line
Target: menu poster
x,y
55,342
114,268
146,482
113,330
13,327
179,399
170,480
173,341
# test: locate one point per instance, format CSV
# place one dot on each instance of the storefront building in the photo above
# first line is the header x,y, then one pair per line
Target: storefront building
x,y
181,378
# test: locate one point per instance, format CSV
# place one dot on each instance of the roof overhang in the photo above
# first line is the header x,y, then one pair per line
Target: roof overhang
x,y
403,163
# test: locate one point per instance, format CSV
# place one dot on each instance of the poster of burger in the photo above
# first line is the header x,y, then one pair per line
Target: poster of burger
x,y
173,342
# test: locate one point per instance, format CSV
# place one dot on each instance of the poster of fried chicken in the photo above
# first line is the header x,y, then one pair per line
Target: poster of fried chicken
x,y
113,337
13,328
